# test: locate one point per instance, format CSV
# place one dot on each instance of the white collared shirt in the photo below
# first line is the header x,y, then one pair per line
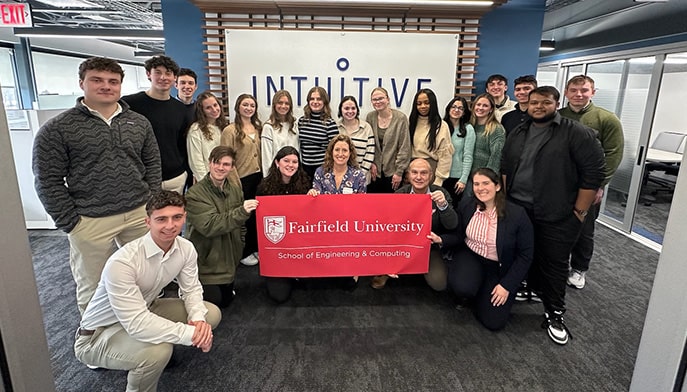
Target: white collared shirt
x,y
96,113
130,282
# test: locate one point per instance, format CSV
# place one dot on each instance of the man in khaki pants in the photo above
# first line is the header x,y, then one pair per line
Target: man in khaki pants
x,y
95,166
125,326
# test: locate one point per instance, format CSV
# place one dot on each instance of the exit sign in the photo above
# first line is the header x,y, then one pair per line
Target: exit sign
x,y
15,15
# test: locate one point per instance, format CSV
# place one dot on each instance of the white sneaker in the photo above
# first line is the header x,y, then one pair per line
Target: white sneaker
x,y
249,260
576,278
255,254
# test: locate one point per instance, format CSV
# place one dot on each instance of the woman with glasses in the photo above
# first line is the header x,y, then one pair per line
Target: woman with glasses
x,y
463,139
392,150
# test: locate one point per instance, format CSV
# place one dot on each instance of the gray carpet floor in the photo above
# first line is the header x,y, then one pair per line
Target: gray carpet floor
x,y
402,338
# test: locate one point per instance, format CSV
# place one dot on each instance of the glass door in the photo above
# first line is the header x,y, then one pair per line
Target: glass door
x,y
665,147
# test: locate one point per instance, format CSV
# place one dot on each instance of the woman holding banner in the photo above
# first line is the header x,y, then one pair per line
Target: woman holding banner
x,y
315,129
340,173
429,135
493,249
285,177
392,150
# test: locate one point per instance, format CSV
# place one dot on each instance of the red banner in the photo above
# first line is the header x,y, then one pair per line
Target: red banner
x,y
343,235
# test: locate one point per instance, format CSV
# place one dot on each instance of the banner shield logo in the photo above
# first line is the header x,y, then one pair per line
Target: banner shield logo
x,y
275,228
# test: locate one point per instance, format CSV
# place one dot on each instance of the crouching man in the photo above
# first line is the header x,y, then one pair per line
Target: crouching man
x,y
125,326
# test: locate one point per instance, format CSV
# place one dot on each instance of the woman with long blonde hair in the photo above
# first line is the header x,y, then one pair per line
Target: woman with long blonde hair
x,y
243,135
280,130
490,135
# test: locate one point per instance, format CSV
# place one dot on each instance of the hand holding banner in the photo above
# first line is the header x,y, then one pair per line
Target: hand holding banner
x,y
344,235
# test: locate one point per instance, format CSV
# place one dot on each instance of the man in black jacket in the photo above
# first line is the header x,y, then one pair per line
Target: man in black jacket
x,y
552,167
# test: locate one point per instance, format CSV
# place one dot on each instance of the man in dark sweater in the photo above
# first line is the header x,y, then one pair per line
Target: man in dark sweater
x,y
521,89
95,166
168,117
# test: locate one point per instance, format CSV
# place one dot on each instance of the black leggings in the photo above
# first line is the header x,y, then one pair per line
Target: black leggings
x,y
249,184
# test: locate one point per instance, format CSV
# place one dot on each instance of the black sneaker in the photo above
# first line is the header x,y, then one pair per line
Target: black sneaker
x,y
555,326
524,294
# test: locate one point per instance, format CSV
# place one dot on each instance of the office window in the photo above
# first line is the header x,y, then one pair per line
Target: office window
x,y
546,75
670,106
57,80
7,80
607,78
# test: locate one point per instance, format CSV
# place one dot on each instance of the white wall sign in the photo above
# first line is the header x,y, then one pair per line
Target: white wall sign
x,y
260,62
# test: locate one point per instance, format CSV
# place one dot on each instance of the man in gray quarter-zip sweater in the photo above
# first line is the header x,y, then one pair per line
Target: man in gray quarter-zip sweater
x,y
95,166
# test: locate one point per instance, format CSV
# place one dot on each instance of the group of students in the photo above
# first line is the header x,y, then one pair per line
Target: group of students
x,y
484,244
317,154
100,165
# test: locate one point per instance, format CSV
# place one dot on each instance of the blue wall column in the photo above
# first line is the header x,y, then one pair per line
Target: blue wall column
x,y
183,30
509,42
23,63
509,39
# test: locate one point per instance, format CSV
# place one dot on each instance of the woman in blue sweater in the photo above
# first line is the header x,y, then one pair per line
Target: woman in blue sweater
x,y
457,116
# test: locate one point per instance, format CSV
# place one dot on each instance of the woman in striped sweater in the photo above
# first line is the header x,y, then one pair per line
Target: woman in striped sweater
x,y
316,128
359,131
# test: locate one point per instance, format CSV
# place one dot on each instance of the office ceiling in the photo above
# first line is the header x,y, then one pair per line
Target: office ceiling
x,y
75,17
588,24
573,24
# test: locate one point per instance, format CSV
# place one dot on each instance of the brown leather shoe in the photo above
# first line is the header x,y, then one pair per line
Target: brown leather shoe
x,y
379,281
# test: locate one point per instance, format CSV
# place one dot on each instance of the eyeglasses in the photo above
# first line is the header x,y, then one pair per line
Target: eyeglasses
x,y
457,108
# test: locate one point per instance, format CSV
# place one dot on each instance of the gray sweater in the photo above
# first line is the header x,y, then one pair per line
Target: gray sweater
x,y
392,156
82,166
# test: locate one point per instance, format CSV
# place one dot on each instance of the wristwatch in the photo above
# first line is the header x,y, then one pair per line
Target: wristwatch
x,y
581,213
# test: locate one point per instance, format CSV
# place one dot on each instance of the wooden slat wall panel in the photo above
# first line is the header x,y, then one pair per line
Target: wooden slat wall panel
x,y
216,23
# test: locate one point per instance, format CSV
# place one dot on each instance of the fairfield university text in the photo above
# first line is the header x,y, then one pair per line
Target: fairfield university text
x,y
358,226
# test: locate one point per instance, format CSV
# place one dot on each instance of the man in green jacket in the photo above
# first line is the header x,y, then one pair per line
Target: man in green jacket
x,y
579,91
216,217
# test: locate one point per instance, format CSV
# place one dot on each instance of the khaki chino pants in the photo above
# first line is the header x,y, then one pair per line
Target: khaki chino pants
x,y
93,241
112,347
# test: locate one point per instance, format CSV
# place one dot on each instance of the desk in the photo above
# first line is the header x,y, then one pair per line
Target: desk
x,y
655,155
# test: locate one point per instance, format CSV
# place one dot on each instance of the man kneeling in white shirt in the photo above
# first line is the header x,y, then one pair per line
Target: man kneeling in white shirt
x,y
125,325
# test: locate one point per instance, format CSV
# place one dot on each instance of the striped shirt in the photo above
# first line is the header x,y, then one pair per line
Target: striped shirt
x,y
364,141
480,235
314,135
